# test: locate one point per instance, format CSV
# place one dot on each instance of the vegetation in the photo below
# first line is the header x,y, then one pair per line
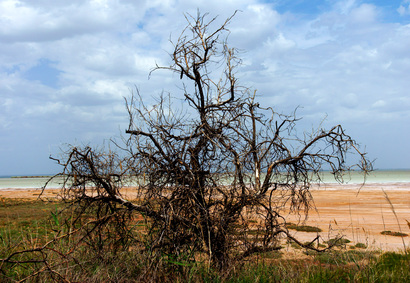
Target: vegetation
x,y
338,241
396,234
360,246
303,228
213,183
128,266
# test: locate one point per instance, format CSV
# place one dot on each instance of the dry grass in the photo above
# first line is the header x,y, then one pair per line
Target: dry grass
x,y
29,223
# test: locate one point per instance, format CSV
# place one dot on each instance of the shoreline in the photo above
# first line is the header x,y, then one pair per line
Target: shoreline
x,y
388,186
359,212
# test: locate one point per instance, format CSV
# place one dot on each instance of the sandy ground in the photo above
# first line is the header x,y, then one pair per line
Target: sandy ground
x,y
341,210
362,213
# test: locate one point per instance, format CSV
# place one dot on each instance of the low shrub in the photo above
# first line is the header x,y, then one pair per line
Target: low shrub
x,y
303,228
360,246
337,241
396,234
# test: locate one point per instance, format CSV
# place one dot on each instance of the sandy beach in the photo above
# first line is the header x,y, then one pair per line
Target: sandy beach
x,y
358,213
361,214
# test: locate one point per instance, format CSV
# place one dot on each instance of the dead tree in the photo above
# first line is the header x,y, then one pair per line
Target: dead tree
x,y
215,177
226,161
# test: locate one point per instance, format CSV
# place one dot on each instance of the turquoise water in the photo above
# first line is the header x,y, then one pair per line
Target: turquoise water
x,y
379,176
27,183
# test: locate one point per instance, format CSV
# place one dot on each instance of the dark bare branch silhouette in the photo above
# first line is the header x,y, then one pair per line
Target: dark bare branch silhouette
x,y
214,178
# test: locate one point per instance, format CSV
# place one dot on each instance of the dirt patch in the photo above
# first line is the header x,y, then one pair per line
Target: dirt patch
x,y
358,213
362,215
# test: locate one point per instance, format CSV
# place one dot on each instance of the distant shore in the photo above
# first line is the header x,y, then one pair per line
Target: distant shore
x,y
29,177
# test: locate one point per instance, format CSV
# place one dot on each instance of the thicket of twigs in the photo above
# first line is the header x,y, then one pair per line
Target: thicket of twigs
x,y
213,179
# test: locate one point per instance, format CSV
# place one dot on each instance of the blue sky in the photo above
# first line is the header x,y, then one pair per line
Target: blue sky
x,y
65,67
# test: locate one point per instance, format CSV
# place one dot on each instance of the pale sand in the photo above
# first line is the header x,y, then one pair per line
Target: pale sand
x,y
341,209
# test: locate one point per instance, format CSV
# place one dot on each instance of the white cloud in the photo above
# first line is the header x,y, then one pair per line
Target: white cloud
x,y
350,100
344,7
379,103
24,22
344,61
364,14
279,44
254,25
404,8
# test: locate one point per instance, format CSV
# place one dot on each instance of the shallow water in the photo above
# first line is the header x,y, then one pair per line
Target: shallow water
x,y
28,183
379,177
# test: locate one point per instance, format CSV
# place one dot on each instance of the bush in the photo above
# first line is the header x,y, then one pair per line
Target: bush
x,y
361,246
303,228
396,234
337,242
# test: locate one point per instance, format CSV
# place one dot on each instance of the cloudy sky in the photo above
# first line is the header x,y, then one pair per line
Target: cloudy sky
x,y
65,67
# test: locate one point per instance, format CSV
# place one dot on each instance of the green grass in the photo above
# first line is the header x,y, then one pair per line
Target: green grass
x,y
396,234
343,257
303,228
21,217
337,242
25,224
360,246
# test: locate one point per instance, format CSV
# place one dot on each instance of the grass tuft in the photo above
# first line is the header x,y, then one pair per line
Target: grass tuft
x,y
396,234
337,242
303,228
360,246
